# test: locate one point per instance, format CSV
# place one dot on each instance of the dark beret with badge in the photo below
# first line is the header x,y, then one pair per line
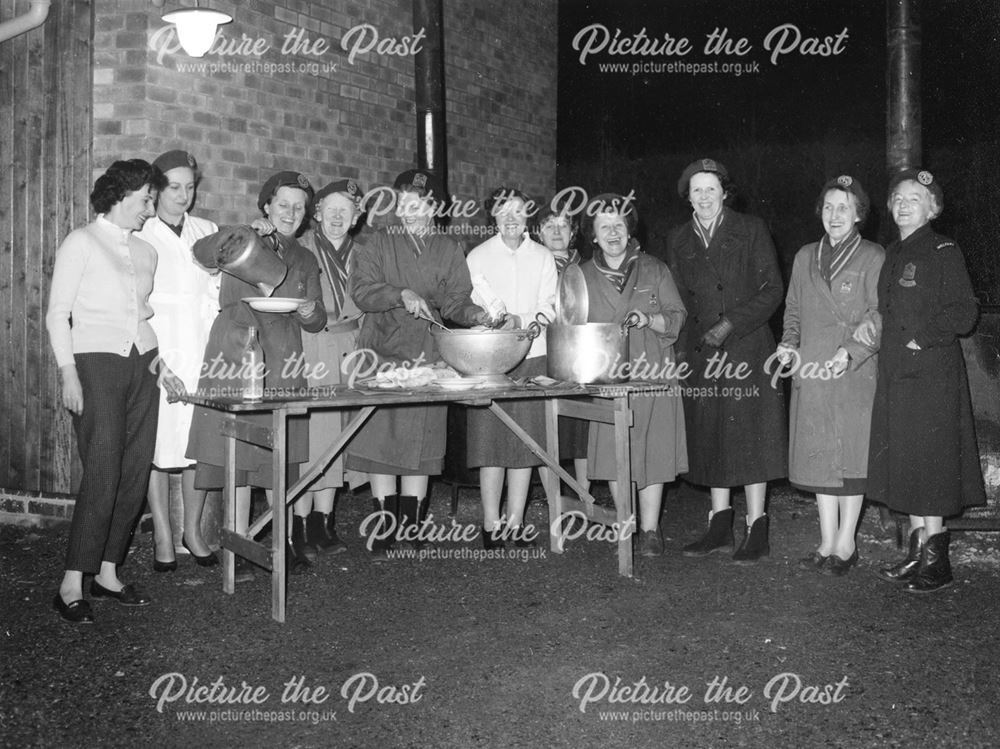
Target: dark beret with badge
x,y
424,183
922,177
711,166
174,159
348,187
283,179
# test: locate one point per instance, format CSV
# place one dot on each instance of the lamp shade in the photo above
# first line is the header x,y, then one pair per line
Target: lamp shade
x,y
196,28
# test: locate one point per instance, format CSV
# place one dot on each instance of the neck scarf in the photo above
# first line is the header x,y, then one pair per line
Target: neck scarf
x,y
175,229
419,241
564,261
619,276
705,233
335,264
832,258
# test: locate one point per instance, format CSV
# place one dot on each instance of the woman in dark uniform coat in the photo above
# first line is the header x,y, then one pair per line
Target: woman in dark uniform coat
x,y
284,200
398,279
924,460
727,273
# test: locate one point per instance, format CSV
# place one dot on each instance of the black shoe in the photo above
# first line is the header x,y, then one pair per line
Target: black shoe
x,y
755,544
159,566
244,571
719,536
838,567
129,595
814,561
208,560
295,563
492,540
322,535
412,514
934,572
905,570
75,612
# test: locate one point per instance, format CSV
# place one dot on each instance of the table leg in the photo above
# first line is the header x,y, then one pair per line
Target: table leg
x,y
279,511
229,514
550,480
625,499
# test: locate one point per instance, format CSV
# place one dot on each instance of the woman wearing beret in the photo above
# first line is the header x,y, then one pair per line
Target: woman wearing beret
x,y
398,280
98,324
518,271
557,229
622,281
832,292
283,201
185,301
727,272
924,460
336,209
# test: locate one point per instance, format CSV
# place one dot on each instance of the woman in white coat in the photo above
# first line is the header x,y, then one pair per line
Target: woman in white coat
x,y
185,301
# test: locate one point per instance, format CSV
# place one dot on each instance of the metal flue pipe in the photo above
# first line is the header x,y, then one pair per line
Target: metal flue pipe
x,y
903,136
34,18
428,68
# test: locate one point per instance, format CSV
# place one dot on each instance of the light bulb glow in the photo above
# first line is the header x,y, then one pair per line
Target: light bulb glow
x,y
196,28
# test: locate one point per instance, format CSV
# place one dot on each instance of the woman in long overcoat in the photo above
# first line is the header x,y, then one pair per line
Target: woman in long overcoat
x,y
283,200
336,209
924,459
832,291
621,279
398,279
727,273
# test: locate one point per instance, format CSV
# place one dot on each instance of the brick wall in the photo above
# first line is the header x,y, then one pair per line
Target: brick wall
x,y
341,117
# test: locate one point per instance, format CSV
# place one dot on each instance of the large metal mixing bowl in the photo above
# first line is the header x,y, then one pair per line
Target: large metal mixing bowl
x,y
490,353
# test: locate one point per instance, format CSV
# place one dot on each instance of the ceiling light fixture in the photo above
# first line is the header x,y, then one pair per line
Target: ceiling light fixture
x,y
196,28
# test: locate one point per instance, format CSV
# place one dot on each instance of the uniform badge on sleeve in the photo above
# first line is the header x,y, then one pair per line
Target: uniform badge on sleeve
x,y
909,273
845,287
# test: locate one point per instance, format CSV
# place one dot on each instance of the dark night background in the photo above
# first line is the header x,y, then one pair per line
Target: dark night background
x,y
784,130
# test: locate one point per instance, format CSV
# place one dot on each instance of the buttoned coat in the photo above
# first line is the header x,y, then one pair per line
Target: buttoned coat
x,y
924,459
736,426
830,418
658,442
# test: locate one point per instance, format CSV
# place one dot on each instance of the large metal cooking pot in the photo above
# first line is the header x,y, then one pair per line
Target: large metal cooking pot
x,y
592,353
250,259
483,352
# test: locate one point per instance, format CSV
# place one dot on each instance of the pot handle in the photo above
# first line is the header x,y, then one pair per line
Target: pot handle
x,y
536,326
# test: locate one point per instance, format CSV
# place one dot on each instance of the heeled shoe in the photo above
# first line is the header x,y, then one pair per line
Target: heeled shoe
x,y
208,560
838,567
75,612
129,595
159,566
815,561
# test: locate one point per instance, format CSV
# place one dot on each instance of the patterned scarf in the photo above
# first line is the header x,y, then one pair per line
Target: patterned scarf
x,y
336,264
619,277
564,261
833,258
704,233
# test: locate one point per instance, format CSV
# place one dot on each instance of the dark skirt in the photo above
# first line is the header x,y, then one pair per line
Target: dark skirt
x,y
573,434
400,441
491,443
850,488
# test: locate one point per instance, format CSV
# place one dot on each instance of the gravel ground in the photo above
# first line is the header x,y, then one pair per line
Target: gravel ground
x,y
538,652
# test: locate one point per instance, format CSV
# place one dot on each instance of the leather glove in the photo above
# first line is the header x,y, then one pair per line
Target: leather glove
x,y
717,334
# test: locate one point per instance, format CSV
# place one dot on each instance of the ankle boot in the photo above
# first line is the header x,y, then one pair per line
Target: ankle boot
x,y
719,536
934,572
321,533
905,570
410,520
300,544
377,545
755,544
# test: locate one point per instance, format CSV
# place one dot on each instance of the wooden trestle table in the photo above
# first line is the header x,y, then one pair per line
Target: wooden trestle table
x,y
609,404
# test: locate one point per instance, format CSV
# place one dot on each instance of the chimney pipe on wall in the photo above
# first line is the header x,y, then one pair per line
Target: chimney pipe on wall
x,y
34,18
903,141
428,69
